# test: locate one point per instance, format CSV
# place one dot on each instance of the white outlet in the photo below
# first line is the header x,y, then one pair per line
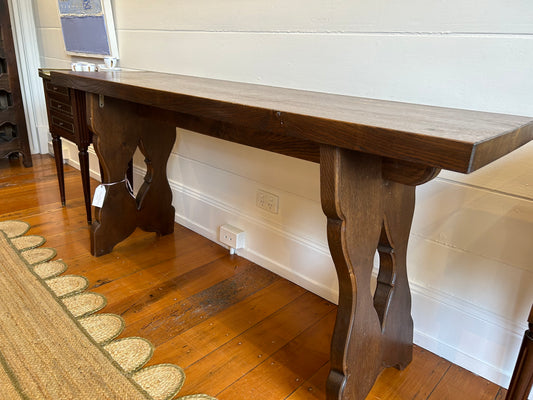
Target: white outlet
x,y
267,201
232,236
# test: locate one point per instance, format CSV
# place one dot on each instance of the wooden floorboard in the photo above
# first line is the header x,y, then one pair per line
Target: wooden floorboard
x,y
238,330
457,381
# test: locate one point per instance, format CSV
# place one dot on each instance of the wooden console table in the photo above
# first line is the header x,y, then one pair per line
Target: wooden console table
x,y
372,155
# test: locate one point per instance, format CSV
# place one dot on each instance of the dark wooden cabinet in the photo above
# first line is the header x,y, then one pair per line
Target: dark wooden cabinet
x,y
13,131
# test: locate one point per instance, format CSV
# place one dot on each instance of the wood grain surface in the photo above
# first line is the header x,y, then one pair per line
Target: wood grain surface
x,y
459,140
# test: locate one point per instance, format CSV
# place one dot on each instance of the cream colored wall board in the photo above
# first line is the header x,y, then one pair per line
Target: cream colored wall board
x,y
274,170
55,63
492,225
297,215
52,43
439,16
490,74
487,283
46,13
512,174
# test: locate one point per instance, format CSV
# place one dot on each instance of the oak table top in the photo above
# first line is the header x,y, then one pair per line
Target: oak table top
x,y
447,138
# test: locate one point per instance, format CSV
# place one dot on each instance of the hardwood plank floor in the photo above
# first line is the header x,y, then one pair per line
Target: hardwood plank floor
x,y
239,331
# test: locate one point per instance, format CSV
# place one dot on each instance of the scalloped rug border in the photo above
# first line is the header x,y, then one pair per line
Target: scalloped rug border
x,y
54,344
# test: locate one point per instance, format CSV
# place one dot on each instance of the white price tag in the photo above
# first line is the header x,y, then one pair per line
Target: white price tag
x,y
99,196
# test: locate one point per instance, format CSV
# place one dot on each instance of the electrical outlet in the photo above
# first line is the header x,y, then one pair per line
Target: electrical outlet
x,y
267,201
232,236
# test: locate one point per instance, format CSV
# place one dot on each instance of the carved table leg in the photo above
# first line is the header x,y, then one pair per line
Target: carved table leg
x,y
154,199
368,211
119,127
392,299
352,200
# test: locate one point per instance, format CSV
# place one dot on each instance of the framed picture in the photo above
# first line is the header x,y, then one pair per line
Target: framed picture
x,y
88,28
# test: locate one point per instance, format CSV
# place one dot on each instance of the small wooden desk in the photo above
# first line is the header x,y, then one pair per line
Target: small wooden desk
x,y
372,154
66,118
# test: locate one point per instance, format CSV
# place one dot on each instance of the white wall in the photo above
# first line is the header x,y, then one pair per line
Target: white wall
x,y
472,240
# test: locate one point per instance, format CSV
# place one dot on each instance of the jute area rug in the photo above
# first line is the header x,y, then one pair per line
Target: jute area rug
x,y
54,344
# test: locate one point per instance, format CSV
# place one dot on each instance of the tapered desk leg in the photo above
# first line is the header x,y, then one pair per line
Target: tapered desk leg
x,y
58,157
84,170
83,156
119,128
367,211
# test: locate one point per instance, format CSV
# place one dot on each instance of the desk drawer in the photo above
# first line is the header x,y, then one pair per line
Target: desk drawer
x,y
61,107
57,92
56,89
62,126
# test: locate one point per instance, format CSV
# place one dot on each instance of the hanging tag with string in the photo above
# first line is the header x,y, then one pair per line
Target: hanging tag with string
x,y
101,192
99,196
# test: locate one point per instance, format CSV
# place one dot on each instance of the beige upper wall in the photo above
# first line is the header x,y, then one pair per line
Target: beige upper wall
x,y
470,54
411,16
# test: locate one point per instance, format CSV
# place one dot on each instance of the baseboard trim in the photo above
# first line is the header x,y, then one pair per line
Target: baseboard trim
x,y
464,360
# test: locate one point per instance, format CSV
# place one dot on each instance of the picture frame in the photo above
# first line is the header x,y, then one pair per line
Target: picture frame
x,y
88,28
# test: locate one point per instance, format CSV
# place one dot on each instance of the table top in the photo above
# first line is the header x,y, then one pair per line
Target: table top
x,y
454,139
